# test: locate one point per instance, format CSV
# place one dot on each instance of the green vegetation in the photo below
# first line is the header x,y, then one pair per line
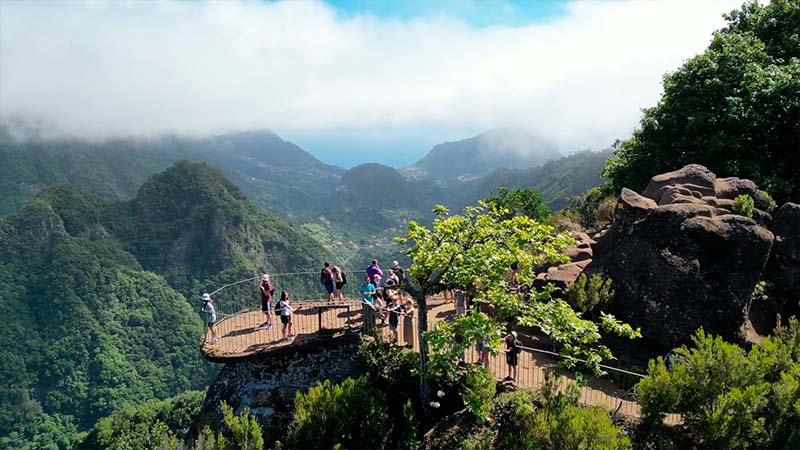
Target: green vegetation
x,y
352,414
548,419
479,389
524,202
243,433
729,397
90,328
557,180
594,208
474,252
588,293
734,108
744,205
154,424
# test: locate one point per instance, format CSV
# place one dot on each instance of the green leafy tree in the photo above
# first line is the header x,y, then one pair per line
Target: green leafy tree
x,y
735,108
473,251
729,397
520,202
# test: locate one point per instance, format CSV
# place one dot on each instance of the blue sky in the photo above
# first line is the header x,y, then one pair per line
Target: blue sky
x,y
477,13
351,81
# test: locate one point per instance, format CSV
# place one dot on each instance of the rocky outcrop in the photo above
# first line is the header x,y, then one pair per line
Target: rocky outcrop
x,y
681,259
693,177
783,269
267,384
562,276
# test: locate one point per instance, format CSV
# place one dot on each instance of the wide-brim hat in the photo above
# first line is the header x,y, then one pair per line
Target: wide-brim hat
x,y
205,297
264,277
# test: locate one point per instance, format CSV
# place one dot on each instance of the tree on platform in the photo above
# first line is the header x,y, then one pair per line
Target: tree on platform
x,y
473,251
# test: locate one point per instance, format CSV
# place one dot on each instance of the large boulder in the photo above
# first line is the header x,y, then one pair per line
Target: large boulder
x,y
693,174
783,270
632,207
680,259
730,188
684,268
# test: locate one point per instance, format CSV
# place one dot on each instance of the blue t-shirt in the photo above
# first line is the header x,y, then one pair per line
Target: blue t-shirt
x,y
369,288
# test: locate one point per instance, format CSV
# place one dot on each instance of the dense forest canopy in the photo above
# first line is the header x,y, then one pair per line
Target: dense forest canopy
x,y
735,108
100,295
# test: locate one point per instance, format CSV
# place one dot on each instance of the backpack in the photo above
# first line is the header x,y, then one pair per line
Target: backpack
x,y
278,307
344,278
324,278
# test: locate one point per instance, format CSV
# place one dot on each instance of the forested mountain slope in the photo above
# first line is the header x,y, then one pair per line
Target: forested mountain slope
x,y
277,174
100,296
557,180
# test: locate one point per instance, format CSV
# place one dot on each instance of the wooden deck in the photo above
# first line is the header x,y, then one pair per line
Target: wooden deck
x,y
242,337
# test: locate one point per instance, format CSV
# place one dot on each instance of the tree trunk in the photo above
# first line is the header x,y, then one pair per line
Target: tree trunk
x,y
422,326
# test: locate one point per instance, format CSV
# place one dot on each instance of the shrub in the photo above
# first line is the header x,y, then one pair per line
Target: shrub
x,y
772,204
153,424
744,205
604,213
243,433
352,414
478,391
566,220
553,419
595,207
731,398
587,293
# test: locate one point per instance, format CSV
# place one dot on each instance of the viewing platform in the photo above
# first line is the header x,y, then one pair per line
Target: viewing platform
x,y
243,337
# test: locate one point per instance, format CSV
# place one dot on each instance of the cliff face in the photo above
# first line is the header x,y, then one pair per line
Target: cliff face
x,y
267,383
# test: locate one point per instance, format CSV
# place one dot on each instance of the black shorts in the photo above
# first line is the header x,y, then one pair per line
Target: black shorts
x,y
511,359
339,286
211,324
266,307
286,319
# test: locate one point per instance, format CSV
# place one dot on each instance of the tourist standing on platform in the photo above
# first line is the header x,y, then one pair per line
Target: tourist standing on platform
x,y
393,308
400,272
374,269
461,303
340,279
266,300
211,316
483,351
408,324
286,315
367,290
512,355
390,284
326,278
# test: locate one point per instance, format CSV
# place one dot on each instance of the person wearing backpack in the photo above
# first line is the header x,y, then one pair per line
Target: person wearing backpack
x,y
266,300
340,279
326,278
512,355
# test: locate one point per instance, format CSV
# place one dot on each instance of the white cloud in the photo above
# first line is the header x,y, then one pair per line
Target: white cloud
x,y
99,69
